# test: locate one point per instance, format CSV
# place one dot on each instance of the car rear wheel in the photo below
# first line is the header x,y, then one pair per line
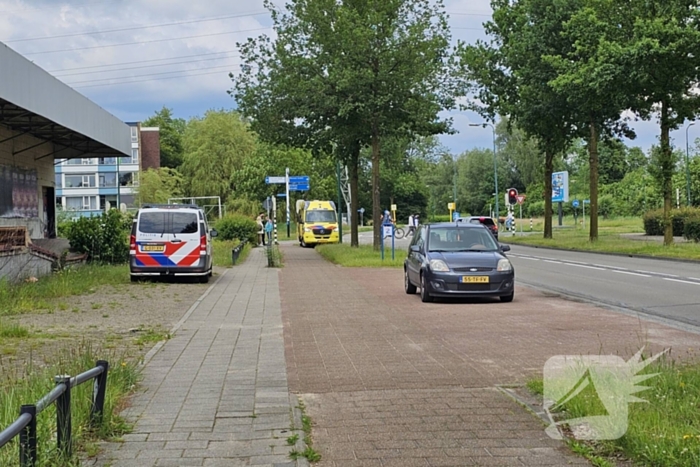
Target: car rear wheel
x,y
424,293
507,298
408,287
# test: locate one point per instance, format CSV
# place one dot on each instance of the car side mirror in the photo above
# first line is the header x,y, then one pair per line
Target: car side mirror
x,y
415,248
213,233
505,248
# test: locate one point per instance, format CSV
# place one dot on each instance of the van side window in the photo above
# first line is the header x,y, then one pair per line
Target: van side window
x,y
184,223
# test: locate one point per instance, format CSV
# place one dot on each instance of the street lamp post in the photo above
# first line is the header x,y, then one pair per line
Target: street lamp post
x,y
687,164
495,165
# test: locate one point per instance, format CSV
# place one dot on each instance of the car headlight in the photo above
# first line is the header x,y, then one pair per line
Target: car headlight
x,y
306,229
438,265
504,265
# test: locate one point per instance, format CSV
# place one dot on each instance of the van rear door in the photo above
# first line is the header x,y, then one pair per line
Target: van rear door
x,y
185,238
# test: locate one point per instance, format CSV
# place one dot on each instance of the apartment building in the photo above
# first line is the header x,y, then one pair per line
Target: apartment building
x,y
92,185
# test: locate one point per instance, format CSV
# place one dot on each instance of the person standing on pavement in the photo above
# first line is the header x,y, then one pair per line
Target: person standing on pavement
x,y
411,226
261,228
269,227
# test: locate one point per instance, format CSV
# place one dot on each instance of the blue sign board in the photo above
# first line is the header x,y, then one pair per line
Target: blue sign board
x,y
560,187
586,201
455,215
574,203
298,179
298,186
361,210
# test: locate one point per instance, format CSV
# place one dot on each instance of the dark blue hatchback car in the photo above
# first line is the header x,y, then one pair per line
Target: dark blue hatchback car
x,y
458,259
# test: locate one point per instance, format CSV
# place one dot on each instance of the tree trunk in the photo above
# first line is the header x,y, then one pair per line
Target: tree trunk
x,y
354,193
667,171
593,164
376,206
548,170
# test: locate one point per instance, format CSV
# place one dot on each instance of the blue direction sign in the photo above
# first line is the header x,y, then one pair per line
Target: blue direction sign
x,y
298,186
574,203
298,179
270,180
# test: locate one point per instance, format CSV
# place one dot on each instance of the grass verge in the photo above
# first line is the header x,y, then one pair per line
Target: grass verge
x,y
274,256
663,431
18,389
222,252
27,297
609,240
362,256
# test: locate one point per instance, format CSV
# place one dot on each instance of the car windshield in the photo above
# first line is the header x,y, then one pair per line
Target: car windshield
x,y
168,222
460,239
320,215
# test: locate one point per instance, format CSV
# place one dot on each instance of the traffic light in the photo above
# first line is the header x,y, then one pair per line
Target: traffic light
x,y
512,196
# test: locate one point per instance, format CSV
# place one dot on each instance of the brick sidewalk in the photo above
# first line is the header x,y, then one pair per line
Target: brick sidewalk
x,y
216,393
389,380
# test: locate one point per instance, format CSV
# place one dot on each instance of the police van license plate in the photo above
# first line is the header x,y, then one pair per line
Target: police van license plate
x,y
153,248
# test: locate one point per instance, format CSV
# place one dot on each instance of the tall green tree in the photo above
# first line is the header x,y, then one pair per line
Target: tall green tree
x,y
159,185
595,87
662,55
216,146
171,132
510,77
349,73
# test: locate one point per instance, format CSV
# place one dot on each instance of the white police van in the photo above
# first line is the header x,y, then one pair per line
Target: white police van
x,y
171,240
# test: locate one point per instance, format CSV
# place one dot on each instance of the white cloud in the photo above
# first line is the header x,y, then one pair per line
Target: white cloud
x,y
216,52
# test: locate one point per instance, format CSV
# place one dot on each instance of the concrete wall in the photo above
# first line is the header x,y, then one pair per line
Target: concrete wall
x,y
31,159
15,267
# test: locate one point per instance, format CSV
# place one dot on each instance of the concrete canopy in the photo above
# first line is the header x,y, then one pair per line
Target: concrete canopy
x,y
33,102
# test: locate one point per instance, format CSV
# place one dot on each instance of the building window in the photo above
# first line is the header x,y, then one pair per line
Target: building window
x,y
134,134
108,161
58,179
108,179
74,162
134,156
126,179
81,203
80,181
135,179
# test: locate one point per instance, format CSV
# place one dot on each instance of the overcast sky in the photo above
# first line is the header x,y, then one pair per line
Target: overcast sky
x,y
101,48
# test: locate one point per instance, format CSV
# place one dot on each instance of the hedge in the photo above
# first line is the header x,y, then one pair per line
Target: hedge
x,y
654,220
691,228
238,227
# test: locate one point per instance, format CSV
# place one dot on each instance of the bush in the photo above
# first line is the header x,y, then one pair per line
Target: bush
x,y
104,238
606,206
691,228
654,220
535,209
237,227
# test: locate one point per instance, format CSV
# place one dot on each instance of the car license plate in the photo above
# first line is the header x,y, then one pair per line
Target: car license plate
x,y
156,248
472,279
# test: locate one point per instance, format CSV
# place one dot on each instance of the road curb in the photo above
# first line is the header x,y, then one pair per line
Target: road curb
x,y
607,253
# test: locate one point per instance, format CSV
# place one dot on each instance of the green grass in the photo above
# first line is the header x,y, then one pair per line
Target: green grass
x,y
12,331
274,256
151,336
18,389
609,239
664,431
309,452
362,256
26,297
221,252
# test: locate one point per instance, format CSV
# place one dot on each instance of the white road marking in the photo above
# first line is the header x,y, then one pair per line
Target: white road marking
x,y
684,282
631,273
550,261
587,267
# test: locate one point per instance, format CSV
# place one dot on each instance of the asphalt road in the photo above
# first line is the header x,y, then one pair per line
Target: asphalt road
x,y
666,290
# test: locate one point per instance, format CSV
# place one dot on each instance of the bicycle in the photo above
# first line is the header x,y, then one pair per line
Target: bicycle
x,y
399,233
